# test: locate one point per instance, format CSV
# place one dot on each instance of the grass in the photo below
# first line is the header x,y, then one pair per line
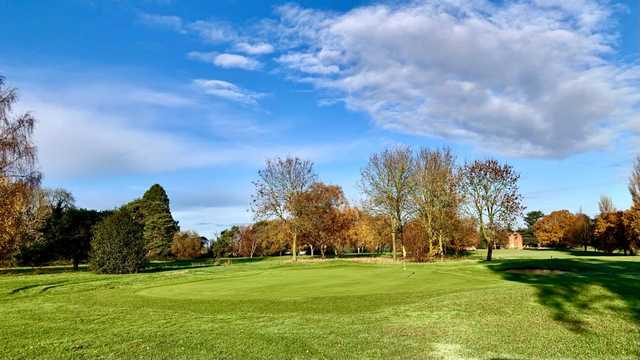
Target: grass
x,y
465,308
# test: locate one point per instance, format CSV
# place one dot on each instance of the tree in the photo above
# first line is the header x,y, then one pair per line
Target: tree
x,y
531,218
609,231
372,230
56,228
271,238
159,225
186,245
19,178
464,235
278,183
606,205
318,214
249,241
387,184
118,245
224,244
493,198
581,231
555,229
436,197
632,216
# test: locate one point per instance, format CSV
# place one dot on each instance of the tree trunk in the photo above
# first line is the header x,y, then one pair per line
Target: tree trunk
x,y
311,246
440,248
294,247
489,250
393,244
76,262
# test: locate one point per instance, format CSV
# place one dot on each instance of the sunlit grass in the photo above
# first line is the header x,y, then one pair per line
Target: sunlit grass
x,y
331,309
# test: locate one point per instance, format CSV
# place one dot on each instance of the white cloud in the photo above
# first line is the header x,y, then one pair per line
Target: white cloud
x,y
228,91
170,22
231,61
254,49
521,78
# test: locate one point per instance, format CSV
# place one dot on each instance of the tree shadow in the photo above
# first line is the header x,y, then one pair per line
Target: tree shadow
x,y
44,287
36,270
574,251
171,265
564,285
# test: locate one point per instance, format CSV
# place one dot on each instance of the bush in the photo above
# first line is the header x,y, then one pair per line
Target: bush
x,y
117,246
186,245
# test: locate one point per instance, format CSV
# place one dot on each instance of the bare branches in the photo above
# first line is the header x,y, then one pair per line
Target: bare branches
x,y
278,183
18,174
606,203
493,197
436,197
387,184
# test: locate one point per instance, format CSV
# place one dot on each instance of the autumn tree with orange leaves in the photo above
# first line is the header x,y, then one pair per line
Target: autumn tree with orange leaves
x,y
319,214
555,229
19,177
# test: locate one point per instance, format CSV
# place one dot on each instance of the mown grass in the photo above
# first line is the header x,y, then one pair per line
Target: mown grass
x,y
335,309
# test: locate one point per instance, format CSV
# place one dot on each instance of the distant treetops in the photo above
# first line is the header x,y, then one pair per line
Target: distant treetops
x,y
609,231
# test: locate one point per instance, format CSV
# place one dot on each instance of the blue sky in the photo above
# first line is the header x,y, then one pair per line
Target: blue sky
x,y
196,95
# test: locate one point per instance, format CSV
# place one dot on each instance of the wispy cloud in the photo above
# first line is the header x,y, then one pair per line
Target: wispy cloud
x,y
169,22
228,91
213,31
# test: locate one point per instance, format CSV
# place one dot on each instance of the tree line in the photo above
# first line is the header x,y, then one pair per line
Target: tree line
x,y
609,231
422,205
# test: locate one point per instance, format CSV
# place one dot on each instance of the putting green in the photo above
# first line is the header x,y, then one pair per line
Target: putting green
x,y
325,280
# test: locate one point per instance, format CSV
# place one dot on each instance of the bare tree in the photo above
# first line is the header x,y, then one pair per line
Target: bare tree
x,y
436,196
493,198
606,203
387,184
18,174
278,183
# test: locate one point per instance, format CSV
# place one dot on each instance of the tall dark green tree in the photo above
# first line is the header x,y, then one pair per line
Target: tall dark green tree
x,y
159,225
77,226
531,218
118,246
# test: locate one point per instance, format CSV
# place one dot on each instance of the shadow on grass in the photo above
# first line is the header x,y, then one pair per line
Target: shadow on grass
x,y
36,270
567,290
575,251
171,265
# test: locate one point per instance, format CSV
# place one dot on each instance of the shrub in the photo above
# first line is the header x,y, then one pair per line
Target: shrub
x,y
186,245
117,246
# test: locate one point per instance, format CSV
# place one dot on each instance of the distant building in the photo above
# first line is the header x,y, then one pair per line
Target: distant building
x,y
514,241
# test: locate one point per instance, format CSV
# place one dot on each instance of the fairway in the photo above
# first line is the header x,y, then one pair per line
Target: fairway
x,y
465,309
